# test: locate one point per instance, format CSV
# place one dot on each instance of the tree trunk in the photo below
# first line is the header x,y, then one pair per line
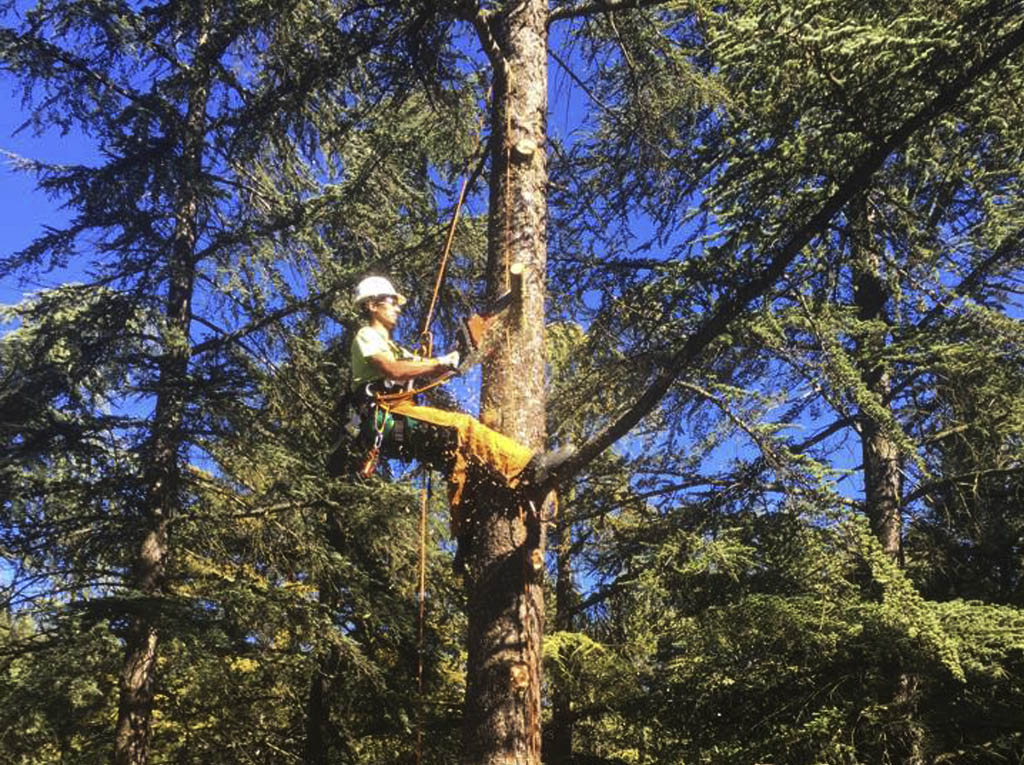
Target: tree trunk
x,y
505,563
317,703
882,487
163,474
320,734
882,483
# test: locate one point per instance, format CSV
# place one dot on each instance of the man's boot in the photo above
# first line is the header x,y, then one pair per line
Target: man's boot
x,y
543,465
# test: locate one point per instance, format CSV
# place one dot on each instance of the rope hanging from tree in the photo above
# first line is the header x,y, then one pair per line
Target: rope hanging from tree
x,y
426,344
426,336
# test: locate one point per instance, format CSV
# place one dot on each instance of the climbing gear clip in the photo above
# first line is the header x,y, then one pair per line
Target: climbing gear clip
x,y
370,465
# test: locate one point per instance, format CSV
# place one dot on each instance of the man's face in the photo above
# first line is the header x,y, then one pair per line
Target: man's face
x,y
385,310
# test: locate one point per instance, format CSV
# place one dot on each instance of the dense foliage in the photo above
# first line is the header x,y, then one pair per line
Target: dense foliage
x,y
785,269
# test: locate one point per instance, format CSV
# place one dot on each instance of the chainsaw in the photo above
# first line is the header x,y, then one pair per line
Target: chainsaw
x,y
471,336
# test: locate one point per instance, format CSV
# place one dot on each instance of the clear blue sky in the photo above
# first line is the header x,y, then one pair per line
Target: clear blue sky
x,y
25,211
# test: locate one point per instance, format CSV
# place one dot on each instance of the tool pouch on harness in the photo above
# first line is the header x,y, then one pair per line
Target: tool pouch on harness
x,y
391,436
390,429
372,426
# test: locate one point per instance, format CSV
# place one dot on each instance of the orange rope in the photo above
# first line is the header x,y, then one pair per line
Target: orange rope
x,y
428,318
426,337
385,400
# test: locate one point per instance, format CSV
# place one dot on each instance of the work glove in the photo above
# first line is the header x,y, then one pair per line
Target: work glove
x,y
450,360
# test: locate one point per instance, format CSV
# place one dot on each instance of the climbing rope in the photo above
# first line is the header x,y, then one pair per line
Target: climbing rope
x,y
386,401
426,336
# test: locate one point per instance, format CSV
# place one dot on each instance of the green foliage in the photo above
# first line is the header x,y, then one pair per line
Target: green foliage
x,y
810,647
255,161
57,700
720,596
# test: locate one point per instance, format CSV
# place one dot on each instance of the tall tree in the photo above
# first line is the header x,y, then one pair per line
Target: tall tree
x,y
776,170
760,117
782,135
202,114
506,607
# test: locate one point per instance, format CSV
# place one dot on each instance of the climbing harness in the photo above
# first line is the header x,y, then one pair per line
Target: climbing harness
x,y
385,425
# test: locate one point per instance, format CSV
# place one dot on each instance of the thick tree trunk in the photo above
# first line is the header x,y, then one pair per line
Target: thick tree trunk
x,y
317,712
882,483
505,563
316,746
163,474
320,734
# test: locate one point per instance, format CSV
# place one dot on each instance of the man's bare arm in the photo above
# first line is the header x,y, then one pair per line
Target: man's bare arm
x,y
403,370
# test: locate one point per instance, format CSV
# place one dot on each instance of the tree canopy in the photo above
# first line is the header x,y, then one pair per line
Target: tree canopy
x,y
777,247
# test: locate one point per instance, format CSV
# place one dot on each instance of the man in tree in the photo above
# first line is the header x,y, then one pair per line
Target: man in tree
x,y
452,442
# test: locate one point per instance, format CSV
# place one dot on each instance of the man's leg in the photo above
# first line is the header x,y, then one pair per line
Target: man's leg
x,y
431,445
434,446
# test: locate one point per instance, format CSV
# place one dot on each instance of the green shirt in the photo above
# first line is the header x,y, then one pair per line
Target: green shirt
x,y
370,342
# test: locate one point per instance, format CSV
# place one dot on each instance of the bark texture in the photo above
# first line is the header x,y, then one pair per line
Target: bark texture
x,y
506,605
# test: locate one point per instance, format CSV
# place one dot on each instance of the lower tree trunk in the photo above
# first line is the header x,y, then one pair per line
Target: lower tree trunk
x,y
506,627
138,672
316,716
319,735
905,701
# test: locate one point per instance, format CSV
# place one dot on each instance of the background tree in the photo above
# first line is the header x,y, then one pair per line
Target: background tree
x,y
785,168
194,234
823,196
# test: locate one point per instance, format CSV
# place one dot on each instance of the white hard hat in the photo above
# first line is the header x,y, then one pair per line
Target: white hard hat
x,y
375,286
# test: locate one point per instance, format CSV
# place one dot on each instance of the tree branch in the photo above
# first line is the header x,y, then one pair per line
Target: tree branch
x,y
273,317
730,306
974,475
583,9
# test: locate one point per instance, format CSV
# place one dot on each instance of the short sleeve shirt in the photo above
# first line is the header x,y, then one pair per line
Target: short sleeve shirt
x,y
367,343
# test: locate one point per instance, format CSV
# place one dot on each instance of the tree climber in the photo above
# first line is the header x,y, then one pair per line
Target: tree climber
x,y
452,442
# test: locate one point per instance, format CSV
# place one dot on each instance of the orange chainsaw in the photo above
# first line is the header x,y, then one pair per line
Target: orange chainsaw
x,y
471,336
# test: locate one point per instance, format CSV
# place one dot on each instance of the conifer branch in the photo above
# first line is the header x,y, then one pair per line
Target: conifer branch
x,y
971,477
264,321
731,306
581,10
581,84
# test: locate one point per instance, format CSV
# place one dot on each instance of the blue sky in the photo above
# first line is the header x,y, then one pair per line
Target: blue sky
x,y
25,211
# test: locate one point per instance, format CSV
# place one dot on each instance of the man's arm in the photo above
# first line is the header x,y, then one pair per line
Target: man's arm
x,y
403,370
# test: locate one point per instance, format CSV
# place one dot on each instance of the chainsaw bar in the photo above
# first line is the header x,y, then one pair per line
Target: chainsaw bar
x,y
471,337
